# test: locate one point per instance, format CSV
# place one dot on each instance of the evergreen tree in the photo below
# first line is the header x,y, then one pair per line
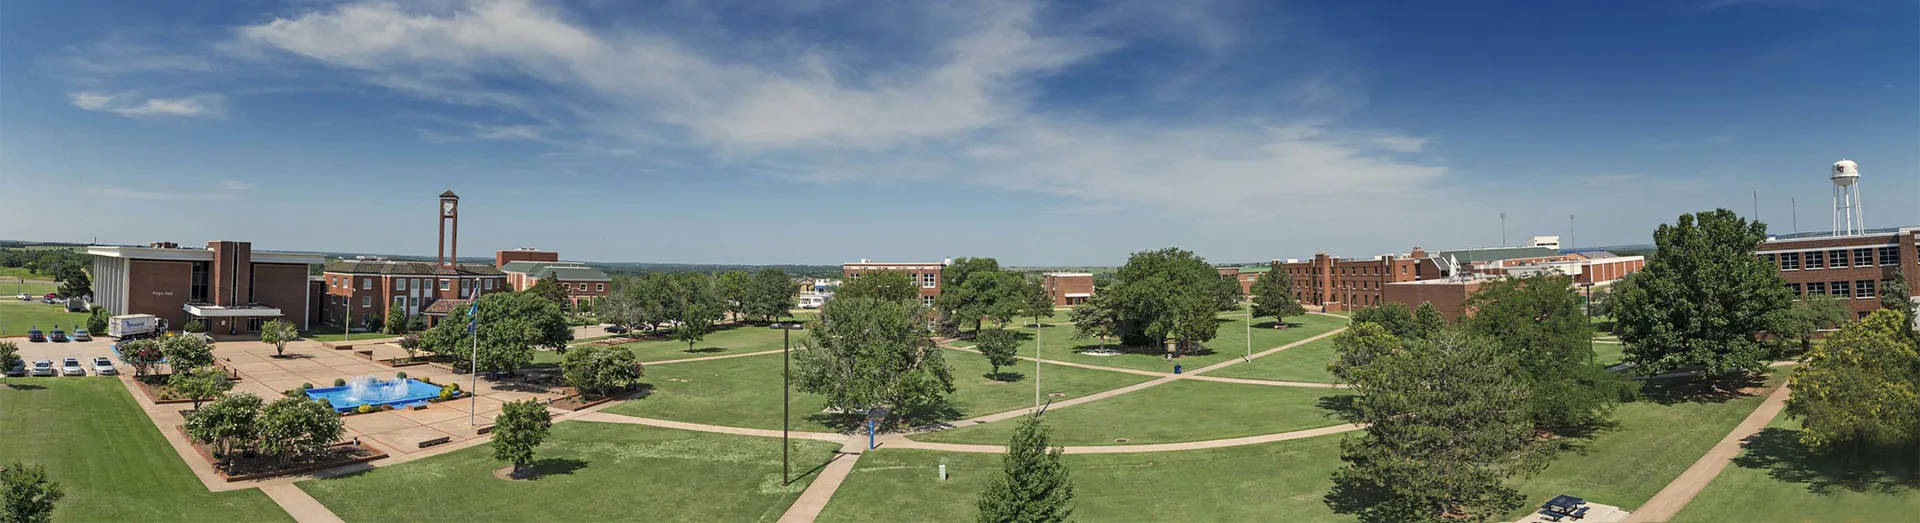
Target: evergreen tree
x,y
1703,297
1273,296
1447,426
97,321
1428,321
1860,389
74,282
396,320
1895,295
1034,486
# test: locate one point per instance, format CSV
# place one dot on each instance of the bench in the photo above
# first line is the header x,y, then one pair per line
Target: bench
x,y
484,430
435,441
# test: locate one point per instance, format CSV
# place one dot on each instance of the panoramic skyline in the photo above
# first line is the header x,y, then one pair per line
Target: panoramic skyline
x,y
1037,133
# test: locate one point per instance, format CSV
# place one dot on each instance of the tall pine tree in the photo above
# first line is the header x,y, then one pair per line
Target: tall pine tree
x,y
1034,487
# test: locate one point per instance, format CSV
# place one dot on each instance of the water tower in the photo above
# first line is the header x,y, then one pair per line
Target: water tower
x,y
1847,219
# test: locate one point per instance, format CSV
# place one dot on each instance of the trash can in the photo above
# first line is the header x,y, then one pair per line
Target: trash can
x,y
1176,368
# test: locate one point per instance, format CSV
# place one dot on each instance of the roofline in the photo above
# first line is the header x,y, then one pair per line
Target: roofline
x,y
1892,235
151,253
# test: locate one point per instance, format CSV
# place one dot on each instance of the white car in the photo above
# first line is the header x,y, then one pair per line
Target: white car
x,y
22,297
43,368
71,367
104,367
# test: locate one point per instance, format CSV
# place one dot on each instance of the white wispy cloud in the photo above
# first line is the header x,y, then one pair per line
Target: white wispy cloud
x,y
133,105
225,190
963,106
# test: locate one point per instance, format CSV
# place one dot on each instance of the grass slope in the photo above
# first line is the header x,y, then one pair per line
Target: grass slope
x,y
733,339
1230,341
1775,478
115,466
1183,410
745,392
589,472
17,317
1281,481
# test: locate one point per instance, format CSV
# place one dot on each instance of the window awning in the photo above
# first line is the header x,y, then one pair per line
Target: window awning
x,y
242,311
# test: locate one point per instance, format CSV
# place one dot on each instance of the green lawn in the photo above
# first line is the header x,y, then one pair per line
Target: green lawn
x,y
17,317
1303,363
112,461
1776,479
745,392
35,288
1609,354
728,340
1654,441
12,274
590,472
1230,342
1281,481
1185,410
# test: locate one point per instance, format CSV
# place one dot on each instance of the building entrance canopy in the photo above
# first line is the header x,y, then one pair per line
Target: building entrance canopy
x,y
240,311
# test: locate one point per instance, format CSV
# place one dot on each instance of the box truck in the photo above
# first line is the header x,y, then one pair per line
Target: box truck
x,y
130,326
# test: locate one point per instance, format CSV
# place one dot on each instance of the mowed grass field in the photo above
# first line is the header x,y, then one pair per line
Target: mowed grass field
x,y
588,472
115,466
1776,478
18,317
746,391
1231,341
1303,363
731,339
1281,481
1182,410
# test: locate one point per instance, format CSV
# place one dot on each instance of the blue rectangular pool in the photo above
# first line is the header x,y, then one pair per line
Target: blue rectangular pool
x,y
366,390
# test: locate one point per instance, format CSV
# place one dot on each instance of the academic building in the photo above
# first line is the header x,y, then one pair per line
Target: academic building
x,y
1849,267
359,289
582,283
1069,288
926,274
228,286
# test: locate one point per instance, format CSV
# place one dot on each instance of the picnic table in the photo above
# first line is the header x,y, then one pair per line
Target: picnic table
x,y
1564,506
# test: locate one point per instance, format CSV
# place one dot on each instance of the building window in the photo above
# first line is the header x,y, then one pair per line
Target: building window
x,y
399,301
1863,289
489,284
1789,261
1889,256
366,284
1816,260
927,280
366,302
400,284
599,287
1837,259
446,285
1863,257
1794,288
1841,289
197,282
926,300
1816,289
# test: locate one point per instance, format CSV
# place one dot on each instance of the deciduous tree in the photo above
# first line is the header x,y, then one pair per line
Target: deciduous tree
x,y
600,370
885,285
1702,298
1396,318
521,426
278,332
967,291
1808,316
771,294
511,325
200,383
1861,388
868,352
1000,346
142,354
1447,426
297,427
8,352
1034,485
186,352
1357,348
696,306
1273,296
225,422
1095,318
549,289
736,290
1537,321
1168,294
26,495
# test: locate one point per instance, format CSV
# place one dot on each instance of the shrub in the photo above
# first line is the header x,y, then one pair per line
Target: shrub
x,y
339,382
292,392
400,375
365,408
305,386
454,386
195,326
447,393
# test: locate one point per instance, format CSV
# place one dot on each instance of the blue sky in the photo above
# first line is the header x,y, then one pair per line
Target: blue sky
x,y
1039,133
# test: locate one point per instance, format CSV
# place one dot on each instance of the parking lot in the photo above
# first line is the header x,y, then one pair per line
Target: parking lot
x,y
84,351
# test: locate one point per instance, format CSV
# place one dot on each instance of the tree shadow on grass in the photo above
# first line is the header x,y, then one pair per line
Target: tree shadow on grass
x,y
1005,377
556,466
706,350
1882,471
1706,389
915,416
1270,325
25,386
1343,406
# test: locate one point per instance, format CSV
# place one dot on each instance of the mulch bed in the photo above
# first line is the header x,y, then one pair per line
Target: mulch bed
x,y
243,468
574,401
154,396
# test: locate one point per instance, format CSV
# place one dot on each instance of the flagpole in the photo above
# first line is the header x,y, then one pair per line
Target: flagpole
x,y
473,328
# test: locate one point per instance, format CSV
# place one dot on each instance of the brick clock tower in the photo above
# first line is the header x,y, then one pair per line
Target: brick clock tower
x,y
449,214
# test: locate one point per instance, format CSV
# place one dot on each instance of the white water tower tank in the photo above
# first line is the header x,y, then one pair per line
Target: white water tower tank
x,y
1845,172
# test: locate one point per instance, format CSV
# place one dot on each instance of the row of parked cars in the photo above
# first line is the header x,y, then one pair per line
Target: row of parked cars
x,y
68,367
57,336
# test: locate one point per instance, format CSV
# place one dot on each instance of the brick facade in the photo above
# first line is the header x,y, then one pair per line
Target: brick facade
x,y
926,275
533,255
1338,284
1849,267
1448,297
366,289
228,286
1069,288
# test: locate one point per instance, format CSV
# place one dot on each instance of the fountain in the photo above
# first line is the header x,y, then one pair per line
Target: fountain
x,y
369,390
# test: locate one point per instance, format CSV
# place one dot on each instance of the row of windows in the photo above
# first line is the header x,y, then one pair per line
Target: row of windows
x,y
600,287
400,284
927,279
1834,259
1371,270
1855,289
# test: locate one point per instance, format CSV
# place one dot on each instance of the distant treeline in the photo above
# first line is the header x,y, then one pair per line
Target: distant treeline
x,y
808,271
42,261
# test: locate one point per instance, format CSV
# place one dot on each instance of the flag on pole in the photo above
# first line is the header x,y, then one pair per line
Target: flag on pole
x,y
473,309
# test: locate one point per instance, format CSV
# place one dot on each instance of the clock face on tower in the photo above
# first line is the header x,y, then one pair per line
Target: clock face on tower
x,y
446,208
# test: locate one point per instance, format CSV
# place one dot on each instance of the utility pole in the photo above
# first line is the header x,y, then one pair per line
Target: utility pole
x,y
1795,204
1503,229
1572,234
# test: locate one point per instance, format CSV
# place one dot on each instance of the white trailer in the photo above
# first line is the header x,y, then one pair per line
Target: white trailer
x,y
135,325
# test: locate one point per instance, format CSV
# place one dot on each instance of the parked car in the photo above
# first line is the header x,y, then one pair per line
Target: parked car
x,y
104,367
17,369
71,367
77,305
23,297
58,335
82,335
34,335
616,329
43,368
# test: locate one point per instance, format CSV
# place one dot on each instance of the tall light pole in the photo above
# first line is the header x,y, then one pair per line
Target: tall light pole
x,y
786,398
1503,229
1036,360
1572,234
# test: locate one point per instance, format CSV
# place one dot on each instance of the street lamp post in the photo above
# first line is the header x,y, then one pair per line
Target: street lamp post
x,y
786,399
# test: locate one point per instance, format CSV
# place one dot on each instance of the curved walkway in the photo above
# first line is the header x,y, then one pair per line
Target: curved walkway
x,y
1272,383
895,441
1681,491
608,417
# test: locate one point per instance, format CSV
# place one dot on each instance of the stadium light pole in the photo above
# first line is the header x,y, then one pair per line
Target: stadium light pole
x,y
1036,360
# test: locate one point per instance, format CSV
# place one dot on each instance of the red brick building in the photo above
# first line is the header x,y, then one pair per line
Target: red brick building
x,y
228,286
1447,296
528,254
1847,267
1069,288
1340,284
581,282
365,288
926,274
1588,269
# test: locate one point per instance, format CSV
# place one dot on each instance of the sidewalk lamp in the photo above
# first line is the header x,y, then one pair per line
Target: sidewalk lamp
x,y
786,400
